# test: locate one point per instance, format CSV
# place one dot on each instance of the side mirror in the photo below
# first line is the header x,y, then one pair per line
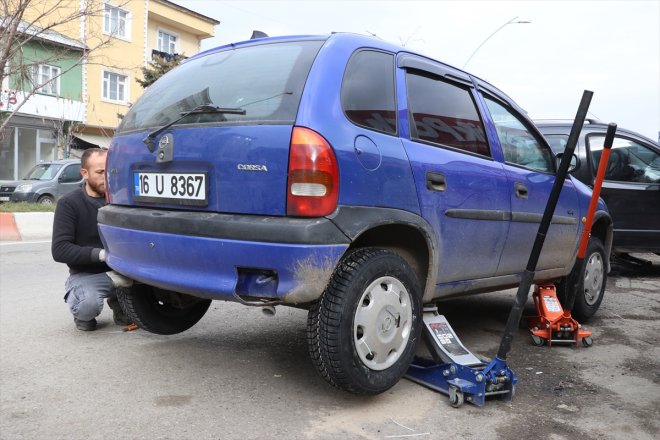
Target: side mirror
x,y
573,166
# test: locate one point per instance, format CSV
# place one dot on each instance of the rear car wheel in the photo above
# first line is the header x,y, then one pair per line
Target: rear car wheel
x,y
363,330
161,311
590,284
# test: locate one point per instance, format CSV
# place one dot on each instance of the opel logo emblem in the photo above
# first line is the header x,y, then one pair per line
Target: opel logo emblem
x,y
165,141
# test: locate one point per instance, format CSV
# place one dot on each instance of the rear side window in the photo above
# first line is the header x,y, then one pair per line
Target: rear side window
x,y
519,145
444,114
264,80
367,92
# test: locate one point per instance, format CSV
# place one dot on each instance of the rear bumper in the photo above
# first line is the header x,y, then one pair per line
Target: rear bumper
x,y
218,256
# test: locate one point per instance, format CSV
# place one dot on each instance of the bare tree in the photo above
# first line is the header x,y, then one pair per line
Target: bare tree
x,y
25,21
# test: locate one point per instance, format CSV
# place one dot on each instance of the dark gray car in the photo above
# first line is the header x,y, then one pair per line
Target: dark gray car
x,y
45,183
631,187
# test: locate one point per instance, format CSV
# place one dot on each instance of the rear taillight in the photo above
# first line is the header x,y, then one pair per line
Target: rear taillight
x,y
313,186
108,197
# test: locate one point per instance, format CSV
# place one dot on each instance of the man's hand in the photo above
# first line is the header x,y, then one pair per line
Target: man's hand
x,y
102,256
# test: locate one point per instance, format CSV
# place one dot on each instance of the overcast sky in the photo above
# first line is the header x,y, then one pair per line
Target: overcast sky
x,y
609,47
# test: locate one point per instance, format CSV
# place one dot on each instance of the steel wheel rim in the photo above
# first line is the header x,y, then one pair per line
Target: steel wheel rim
x,y
382,323
594,275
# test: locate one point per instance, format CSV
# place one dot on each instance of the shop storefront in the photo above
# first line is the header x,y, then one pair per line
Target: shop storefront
x,y
24,142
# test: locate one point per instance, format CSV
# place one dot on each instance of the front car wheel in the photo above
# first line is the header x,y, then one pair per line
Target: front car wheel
x,y
587,282
46,200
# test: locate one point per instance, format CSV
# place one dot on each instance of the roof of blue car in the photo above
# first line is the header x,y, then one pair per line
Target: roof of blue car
x,y
360,40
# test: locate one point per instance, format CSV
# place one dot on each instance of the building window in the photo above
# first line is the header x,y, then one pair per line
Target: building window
x,y
114,87
166,42
47,79
115,21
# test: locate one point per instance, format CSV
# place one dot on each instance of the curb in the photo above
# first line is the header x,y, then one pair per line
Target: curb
x,y
23,226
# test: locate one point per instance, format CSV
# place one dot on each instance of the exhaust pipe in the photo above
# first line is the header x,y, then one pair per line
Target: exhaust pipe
x,y
268,310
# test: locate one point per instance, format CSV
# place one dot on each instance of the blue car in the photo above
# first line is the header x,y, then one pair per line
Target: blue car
x,y
343,175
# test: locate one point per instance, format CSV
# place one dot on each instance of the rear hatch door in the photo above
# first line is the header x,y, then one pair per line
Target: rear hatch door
x,y
232,156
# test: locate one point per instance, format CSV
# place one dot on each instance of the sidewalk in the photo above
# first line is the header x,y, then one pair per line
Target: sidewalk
x,y
17,226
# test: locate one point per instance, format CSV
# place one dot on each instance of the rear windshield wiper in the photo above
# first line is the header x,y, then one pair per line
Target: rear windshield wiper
x,y
200,109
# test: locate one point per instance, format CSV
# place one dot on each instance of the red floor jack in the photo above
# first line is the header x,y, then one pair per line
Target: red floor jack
x,y
553,324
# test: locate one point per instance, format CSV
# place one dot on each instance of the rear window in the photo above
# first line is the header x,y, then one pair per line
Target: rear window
x,y
264,80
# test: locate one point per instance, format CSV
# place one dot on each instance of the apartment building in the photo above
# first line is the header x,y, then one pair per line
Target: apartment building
x,y
121,36
140,30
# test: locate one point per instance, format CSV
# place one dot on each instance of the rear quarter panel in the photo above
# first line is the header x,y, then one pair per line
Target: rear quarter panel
x,y
390,184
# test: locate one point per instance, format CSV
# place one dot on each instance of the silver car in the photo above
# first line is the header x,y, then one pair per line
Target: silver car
x,y
45,183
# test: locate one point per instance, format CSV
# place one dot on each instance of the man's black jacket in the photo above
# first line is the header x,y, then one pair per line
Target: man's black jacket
x,y
76,240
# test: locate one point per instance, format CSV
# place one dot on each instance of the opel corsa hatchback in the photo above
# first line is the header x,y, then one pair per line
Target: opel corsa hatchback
x,y
339,174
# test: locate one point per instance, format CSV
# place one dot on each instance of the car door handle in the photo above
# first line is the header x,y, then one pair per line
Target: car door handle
x,y
436,181
521,190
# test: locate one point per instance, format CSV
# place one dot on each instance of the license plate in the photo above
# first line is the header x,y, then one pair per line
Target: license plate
x,y
4,199
179,188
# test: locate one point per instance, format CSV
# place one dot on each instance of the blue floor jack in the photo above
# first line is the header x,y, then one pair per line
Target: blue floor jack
x,y
454,370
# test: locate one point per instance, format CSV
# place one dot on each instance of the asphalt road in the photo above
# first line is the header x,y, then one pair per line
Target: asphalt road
x,y
241,375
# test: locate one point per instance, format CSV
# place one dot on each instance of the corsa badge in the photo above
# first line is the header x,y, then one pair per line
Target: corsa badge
x,y
251,167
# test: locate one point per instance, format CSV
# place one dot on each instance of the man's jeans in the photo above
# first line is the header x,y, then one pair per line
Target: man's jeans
x,y
85,293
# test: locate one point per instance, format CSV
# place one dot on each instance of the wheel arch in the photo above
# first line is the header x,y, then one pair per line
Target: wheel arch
x,y
406,233
45,194
602,228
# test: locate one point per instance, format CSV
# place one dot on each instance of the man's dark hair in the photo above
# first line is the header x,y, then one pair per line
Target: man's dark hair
x,y
84,160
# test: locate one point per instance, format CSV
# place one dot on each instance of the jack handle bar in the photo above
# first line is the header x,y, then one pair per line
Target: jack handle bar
x,y
574,278
600,175
528,276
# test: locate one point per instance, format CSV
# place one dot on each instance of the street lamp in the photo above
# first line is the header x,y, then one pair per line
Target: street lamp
x,y
512,21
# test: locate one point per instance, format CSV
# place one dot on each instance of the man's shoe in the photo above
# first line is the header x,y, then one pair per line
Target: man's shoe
x,y
118,315
86,326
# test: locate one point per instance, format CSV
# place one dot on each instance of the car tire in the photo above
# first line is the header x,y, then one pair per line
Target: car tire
x,y
589,279
46,200
161,311
363,331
